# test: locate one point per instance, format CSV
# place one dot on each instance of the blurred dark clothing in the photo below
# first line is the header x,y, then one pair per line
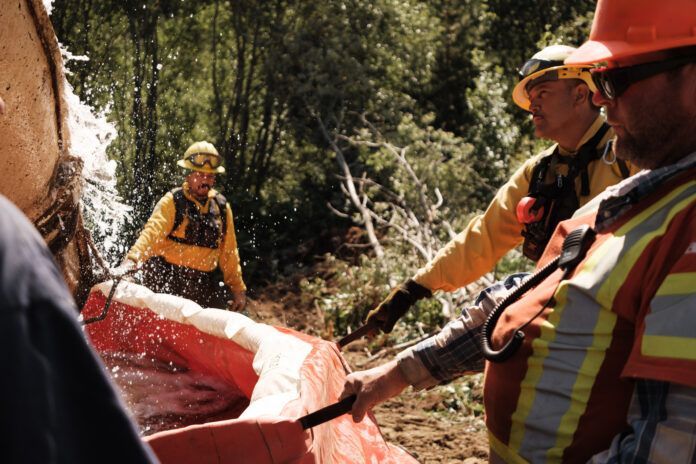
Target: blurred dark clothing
x,y
205,288
56,402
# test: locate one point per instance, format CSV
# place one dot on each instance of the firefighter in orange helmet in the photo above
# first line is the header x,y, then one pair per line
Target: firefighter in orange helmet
x,y
546,189
189,236
601,366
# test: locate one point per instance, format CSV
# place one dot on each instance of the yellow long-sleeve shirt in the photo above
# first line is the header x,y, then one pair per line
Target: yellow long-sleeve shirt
x,y
153,241
476,249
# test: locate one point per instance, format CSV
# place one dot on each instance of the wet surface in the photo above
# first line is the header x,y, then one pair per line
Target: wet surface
x,y
163,396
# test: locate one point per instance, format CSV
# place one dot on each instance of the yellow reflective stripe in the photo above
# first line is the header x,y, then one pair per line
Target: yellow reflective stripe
x,y
615,280
603,328
504,452
585,381
535,368
640,218
669,347
682,283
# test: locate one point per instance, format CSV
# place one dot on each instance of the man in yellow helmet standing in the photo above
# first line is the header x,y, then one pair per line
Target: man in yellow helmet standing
x,y
596,359
189,235
546,189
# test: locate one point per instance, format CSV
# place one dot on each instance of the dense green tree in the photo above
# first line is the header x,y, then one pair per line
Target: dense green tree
x,y
281,87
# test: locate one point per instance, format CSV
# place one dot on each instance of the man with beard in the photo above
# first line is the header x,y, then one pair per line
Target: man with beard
x,y
596,359
545,190
189,236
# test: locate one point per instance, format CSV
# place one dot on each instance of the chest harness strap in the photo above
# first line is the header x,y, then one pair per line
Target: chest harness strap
x,y
203,229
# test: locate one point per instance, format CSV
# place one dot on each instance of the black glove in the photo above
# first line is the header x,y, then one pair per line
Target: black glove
x,y
395,305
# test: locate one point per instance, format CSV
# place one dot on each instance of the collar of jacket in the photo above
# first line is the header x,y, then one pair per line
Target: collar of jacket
x,y
589,133
620,198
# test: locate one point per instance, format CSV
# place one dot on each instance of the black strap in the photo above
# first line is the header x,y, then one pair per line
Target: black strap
x,y
328,413
181,205
588,152
179,208
623,167
357,333
577,165
559,198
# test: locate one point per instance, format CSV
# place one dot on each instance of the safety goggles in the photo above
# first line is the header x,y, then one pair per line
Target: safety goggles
x,y
201,159
612,82
535,65
556,70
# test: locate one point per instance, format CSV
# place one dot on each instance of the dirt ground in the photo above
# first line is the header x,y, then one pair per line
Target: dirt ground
x,y
435,426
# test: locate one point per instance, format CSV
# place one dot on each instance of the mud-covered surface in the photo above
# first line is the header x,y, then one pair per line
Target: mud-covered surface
x,y
441,425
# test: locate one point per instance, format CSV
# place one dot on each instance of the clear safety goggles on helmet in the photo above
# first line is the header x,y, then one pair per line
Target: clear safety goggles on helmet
x,y
559,71
201,159
612,82
535,65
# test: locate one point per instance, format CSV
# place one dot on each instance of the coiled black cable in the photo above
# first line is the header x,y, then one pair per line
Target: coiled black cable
x,y
575,247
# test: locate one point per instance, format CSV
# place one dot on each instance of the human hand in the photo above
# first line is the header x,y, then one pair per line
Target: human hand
x,y
372,387
238,301
2,106
124,269
396,304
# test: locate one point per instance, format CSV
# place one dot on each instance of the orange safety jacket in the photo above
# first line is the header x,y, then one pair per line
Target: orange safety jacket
x,y
490,235
158,239
625,312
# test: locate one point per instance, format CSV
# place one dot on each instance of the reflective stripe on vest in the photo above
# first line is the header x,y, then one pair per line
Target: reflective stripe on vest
x,y
572,346
669,328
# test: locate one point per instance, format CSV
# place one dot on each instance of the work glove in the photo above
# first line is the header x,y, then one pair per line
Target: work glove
x,y
238,301
127,267
395,305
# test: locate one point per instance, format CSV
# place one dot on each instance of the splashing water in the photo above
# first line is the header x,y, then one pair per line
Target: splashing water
x,y
159,396
103,209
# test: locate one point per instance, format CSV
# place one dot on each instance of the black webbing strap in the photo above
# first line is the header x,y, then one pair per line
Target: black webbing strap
x,y
623,167
181,206
328,413
361,331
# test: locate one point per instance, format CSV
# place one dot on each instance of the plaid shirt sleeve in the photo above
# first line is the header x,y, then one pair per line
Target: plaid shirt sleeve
x,y
662,426
456,349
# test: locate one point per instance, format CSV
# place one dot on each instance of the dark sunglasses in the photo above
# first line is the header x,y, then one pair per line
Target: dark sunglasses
x,y
612,82
201,159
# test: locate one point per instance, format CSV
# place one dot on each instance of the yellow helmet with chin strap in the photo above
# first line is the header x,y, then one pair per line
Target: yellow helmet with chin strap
x,y
202,157
547,65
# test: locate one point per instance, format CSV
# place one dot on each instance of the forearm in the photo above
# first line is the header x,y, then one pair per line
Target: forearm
x,y
482,243
456,349
155,230
229,257
662,426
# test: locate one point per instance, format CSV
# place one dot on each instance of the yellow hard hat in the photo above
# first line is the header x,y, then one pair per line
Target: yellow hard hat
x,y
547,65
202,157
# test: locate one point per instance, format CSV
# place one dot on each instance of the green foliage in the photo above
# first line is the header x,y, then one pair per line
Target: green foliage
x,y
263,80
350,291
462,397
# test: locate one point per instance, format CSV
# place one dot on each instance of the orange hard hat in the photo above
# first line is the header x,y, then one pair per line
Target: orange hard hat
x,y
624,28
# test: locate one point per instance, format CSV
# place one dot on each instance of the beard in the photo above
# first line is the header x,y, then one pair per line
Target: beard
x,y
659,129
653,139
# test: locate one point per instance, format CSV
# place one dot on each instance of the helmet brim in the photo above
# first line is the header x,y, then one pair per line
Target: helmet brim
x,y
594,51
521,97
